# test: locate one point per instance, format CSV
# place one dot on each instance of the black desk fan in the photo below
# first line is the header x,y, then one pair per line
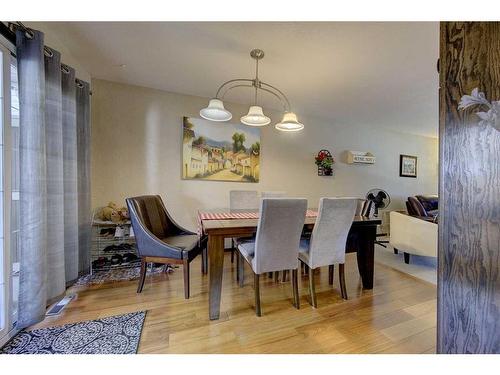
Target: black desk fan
x,y
379,199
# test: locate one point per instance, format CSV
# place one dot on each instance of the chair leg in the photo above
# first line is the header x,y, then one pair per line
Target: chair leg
x,y
186,278
396,251
276,276
270,275
407,258
204,263
256,283
284,276
312,290
241,272
232,255
331,269
295,287
238,266
343,289
142,277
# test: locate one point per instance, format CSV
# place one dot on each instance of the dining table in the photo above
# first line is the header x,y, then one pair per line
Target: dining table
x,y
219,224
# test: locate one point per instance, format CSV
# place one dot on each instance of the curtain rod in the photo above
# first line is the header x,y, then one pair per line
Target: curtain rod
x,y
9,33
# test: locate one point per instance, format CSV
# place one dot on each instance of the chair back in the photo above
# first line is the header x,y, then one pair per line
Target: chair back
x,y
368,209
243,200
361,202
329,235
273,194
278,234
150,220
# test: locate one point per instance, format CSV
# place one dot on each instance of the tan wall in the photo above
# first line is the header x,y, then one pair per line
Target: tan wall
x,y
137,142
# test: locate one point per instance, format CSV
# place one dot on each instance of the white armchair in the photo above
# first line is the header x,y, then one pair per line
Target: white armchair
x,y
413,235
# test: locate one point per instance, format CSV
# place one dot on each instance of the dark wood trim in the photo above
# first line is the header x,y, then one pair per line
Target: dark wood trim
x,y
469,191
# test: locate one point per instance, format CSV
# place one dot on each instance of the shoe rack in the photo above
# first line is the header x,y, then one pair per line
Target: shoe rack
x,y
113,246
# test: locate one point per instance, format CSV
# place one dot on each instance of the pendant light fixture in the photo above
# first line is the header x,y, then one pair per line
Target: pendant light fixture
x,y
216,111
255,116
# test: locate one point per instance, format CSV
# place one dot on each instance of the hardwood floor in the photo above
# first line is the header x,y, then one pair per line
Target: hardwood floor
x,y
397,316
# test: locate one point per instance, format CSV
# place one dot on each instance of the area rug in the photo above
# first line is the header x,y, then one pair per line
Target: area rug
x,y
118,334
123,274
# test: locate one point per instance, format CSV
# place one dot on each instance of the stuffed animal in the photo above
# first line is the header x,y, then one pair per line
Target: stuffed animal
x,y
124,213
112,213
115,217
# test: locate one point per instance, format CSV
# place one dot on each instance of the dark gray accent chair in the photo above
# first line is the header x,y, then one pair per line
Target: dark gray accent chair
x,y
276,244
161,240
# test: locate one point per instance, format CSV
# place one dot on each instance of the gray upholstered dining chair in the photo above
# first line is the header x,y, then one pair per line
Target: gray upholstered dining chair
x,y
161,240
327,244
242,200
276,244
273,194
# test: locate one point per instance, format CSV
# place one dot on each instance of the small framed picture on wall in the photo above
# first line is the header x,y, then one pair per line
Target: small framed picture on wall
x,y
407,166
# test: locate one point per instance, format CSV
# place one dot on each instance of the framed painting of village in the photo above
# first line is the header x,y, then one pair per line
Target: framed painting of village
x,y
217,151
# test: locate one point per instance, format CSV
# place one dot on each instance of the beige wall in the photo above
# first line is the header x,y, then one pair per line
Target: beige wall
x,y
136,149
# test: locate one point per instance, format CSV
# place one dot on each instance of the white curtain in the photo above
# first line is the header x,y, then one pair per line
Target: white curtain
x,y
55,223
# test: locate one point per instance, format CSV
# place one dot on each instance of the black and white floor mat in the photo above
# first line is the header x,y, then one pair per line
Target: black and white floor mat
x,y
115,275
118,334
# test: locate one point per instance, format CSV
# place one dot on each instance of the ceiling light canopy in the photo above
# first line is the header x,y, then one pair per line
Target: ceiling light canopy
x,y
255,116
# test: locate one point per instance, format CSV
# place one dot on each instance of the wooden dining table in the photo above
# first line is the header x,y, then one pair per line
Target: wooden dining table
x,y
219,224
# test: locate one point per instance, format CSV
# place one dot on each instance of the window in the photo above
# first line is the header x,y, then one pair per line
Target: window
x,y
9,123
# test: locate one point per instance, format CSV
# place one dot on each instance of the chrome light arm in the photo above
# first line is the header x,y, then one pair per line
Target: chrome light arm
x,y
240,80
226,90
278,93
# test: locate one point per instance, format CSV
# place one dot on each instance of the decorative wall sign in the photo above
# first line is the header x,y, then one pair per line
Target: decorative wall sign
x,y
407,166
324,161
491,117
360,157
220,152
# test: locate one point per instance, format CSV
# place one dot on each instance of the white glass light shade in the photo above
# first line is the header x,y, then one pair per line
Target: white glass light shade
x,y
289,123
216,111
255,117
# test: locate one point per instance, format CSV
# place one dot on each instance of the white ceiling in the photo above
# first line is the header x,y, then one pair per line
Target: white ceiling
x,y
371,74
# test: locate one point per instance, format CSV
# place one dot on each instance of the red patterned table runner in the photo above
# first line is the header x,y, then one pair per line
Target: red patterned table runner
x,y
239,215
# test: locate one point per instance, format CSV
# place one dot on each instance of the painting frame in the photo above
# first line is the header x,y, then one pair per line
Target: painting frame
x,y
408,166
223,152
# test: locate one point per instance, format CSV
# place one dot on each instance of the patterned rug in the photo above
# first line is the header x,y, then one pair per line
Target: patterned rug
x,y
123,274
118,334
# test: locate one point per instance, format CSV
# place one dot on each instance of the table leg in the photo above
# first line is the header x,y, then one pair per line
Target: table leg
x,y
366,237
215,267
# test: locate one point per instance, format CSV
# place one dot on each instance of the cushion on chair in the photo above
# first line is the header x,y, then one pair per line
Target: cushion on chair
x,y
417,208
429,202
184,242
247,249
304,250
